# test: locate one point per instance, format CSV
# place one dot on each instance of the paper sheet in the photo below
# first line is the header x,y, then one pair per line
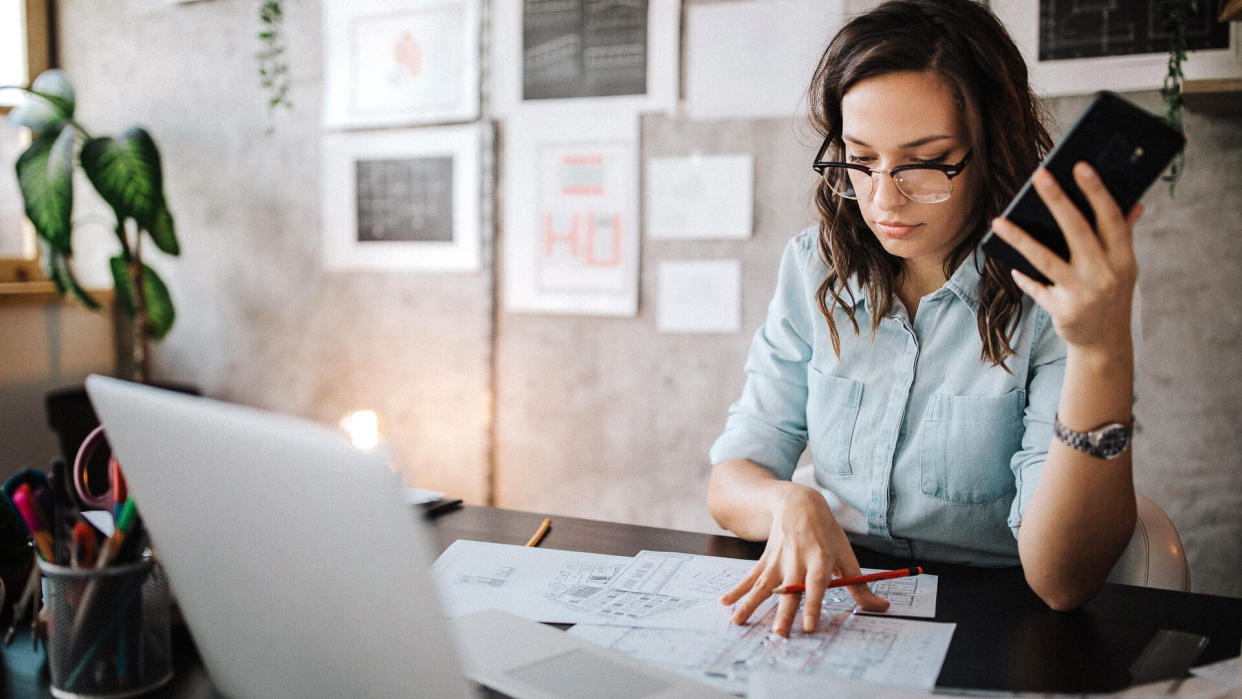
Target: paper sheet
x,y
535,583
869,649
699,296
699,197
655,589
754,59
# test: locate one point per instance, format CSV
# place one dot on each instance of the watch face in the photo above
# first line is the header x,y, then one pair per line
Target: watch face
x,y
1111,440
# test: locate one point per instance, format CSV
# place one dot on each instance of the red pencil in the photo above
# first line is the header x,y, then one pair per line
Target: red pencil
x,y
838,582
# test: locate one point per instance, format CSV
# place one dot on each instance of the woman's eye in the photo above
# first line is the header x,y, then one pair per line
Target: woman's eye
x,y
860,159
932,161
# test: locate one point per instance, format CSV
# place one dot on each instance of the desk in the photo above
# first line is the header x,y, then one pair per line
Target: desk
x,y
1006,638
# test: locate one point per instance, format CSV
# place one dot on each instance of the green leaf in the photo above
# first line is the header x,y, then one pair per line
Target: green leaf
x,y
160,313
56,267
164,233
50,108
123,284
126,173
45,177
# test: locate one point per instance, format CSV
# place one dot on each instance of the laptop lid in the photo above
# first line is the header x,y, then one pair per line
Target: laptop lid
x,y
295,561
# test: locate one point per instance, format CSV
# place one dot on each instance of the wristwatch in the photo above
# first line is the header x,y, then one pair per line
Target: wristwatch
x,y
1108,441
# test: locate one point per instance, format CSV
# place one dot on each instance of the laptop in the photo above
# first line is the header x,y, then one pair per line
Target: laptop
x,y
301,571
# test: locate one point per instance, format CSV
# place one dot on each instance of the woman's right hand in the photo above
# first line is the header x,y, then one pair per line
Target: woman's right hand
x,y
805,545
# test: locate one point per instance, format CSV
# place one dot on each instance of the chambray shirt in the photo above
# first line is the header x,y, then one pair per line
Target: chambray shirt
x,y
922,449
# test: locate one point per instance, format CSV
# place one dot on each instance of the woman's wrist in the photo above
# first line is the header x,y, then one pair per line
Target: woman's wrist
x,y
1098,386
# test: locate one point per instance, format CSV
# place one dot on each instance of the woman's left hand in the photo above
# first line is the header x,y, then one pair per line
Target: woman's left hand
x,y
1091,293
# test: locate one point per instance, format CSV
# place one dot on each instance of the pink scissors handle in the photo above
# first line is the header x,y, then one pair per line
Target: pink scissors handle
x,y
89,499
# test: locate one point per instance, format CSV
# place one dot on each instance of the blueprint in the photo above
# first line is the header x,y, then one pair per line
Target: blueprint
x,y
866,649
536,583
654,589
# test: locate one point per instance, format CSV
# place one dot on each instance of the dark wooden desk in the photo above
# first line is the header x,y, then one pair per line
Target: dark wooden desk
x,y
1006,637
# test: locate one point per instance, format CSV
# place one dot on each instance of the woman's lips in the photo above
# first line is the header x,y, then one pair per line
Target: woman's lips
x,y
895,229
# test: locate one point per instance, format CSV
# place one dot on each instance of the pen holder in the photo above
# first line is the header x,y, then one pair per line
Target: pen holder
x,y
107,629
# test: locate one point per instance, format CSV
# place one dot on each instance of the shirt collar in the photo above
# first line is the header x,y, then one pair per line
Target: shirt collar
x,y
965,284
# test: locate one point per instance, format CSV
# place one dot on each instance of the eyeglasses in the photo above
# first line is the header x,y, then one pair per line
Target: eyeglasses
x,y
925,183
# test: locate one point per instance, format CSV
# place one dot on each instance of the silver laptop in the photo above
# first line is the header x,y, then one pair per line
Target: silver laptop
x,y
301,571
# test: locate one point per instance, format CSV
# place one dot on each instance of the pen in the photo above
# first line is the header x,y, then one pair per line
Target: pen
x,y
24,503
839,582
82,555
119,491
538,536
112,547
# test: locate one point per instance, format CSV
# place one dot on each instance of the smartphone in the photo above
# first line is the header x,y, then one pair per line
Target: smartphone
x,y
1128,146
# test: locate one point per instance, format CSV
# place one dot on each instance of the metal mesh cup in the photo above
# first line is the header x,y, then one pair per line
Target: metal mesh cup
x,y
107,629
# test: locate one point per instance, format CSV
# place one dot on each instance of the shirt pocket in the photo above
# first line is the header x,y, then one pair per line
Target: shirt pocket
x,y
831,412
967,444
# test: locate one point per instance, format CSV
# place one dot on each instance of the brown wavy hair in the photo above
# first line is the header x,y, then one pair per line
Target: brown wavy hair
x,y
968,48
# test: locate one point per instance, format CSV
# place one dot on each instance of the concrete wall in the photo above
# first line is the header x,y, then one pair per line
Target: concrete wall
x,y
573,415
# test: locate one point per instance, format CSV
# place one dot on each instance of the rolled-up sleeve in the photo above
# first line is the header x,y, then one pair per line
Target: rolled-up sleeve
x,y
767,425
1043,394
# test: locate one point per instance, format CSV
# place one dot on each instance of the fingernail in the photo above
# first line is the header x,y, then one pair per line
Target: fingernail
x,y
1085,170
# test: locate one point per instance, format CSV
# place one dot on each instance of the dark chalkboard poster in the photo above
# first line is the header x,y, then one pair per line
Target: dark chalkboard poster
x,y
1095,28
583,48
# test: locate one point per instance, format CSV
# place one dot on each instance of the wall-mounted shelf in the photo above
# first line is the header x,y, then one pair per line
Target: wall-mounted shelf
x,y
1219,96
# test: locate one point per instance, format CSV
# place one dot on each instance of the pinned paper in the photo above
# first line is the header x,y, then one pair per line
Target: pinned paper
x,y
699,197
700,296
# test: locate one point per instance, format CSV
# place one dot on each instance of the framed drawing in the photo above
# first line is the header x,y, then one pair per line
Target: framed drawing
x,y
571,236
404,199
400,62
596,52
1072,47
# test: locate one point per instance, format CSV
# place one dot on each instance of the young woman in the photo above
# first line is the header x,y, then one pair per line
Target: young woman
x,y
946,400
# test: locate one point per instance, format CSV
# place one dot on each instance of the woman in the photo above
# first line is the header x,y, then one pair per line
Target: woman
x,y
944,398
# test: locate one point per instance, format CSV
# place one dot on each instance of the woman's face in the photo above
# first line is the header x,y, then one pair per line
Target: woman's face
x,y
899,119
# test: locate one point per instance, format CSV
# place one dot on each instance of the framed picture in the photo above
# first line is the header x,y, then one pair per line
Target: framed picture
x,y
1072,47
571,226
595,52
400,62
402,199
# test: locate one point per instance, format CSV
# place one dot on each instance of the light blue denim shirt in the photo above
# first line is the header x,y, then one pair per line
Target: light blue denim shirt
x,y
923,449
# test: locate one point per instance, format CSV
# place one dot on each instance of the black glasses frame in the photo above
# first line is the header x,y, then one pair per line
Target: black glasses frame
x,y
950,171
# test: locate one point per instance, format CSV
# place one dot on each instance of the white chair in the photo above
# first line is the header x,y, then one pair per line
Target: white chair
x,y
1154,557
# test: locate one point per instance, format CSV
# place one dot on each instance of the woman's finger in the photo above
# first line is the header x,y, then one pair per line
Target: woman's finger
x,y
1110,222
812,604
862,594
1077,231
1039,293
867,599
1041,258
744,586
786,610
758,593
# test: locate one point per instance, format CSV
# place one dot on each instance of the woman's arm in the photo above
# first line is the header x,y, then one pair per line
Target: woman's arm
x,y
1082,513
805,543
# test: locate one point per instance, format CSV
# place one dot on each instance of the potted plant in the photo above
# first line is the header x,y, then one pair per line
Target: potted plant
x,y
125,171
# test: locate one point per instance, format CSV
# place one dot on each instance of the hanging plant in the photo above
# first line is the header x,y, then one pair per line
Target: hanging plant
x,y
273,66
1173,14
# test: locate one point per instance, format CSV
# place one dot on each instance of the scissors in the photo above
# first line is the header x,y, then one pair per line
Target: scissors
x,y
91,496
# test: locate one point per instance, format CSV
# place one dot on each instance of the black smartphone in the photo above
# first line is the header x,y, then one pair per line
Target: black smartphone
x,y
1128,146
